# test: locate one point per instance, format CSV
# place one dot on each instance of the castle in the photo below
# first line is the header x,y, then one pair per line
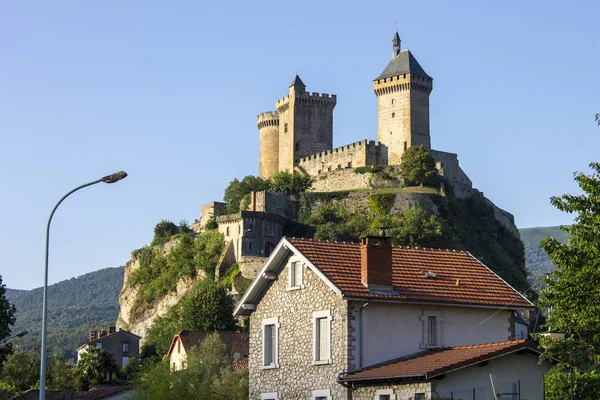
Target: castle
x,y
298,135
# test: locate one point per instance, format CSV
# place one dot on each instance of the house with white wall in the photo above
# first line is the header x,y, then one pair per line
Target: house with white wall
x,y
333,320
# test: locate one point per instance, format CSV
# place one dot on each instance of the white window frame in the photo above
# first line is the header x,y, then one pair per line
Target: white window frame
x,y
316,316
275,322
425,322
321,393
125,347
99,345
300,283
385,392
269,396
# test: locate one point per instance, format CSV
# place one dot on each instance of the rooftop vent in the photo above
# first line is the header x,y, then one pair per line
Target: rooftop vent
x,y
428,274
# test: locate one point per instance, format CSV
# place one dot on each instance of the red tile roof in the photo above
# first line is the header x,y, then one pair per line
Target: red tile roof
x,y
460,277
431,363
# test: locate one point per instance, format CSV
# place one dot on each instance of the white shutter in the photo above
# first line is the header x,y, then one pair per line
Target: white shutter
x,y
432,330
323,339
298,272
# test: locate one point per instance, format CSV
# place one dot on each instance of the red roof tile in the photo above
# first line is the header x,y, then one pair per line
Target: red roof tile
x,y
431,363
460,277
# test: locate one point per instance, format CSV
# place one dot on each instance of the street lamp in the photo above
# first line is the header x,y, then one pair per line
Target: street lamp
x,y
112,178
20,334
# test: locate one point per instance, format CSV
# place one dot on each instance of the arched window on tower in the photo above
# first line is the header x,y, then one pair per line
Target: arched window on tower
x,y
297,146
405,146
285,128
227,231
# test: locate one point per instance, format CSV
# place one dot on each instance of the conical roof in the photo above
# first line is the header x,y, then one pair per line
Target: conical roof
x,y
297,82
405,63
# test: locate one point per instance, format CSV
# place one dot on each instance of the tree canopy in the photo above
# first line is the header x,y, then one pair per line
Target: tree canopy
x,y
237,190
290,184
418,167
7,319
572,293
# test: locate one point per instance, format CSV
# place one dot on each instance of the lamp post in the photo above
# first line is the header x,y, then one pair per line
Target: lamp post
x,y
20,334
112,178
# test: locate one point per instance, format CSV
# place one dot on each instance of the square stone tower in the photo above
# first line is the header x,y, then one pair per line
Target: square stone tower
x,y
305,124
402,104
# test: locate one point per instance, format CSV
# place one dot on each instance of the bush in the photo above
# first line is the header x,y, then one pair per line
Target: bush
x,y
208,376
235,192
586,385
163,231
418,167
211,224
381,203
292,184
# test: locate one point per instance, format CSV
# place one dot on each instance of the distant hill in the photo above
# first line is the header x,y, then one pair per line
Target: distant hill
x,y
75,306
536,261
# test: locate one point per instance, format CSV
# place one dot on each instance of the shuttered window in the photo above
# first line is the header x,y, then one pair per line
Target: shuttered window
x,y
322,337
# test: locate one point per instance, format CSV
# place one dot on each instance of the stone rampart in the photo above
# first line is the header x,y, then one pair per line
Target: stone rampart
x,y
307,97
449,167
352,155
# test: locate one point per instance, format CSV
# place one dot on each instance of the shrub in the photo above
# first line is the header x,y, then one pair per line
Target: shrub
x,y
292,184
211,224
163,231
381,203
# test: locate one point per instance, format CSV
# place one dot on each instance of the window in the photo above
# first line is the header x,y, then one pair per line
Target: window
x,y
178,346
269,396
227,231
125,347
350,164
249,245
419,396
405,146
270,332
432,330
322,337
124,360
295,275
392,101
285,128
297,146
323,394
385,394
393,115
99,345
432,327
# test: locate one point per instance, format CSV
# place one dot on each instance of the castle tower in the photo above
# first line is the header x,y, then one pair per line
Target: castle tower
x,y
268,129
305,124
402,104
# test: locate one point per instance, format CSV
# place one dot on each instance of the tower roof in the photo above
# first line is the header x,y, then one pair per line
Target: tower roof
x,y
297,82
405,63
396,37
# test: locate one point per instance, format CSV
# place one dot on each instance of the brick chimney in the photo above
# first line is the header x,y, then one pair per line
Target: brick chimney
x,y
112,329
93,335
103,333
376,262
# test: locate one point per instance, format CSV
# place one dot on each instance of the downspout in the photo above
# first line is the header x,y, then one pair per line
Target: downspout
x,y
359,351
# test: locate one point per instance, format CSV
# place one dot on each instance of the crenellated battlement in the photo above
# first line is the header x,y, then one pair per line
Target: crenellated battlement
x,y
357,154
269,118
402,83
309,97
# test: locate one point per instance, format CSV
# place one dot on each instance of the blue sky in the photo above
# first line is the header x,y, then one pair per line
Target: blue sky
x,y
170,93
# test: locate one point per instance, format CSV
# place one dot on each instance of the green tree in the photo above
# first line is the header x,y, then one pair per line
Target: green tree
x,y
208,376
235,192
60,375
572,292
291,184
163,231
206,307
7,319
418,167
94,366
21,371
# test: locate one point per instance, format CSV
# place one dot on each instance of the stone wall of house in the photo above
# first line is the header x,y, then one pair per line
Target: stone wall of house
x,y
402,392
296,376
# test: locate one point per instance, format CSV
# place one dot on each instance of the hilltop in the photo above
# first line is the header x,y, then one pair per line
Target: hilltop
x,y
75,306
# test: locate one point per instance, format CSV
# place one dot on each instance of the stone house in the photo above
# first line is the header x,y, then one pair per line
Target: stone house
x,y
332,320
122,344
184,341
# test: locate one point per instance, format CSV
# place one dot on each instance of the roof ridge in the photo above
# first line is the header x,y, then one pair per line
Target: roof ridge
x,y
492,344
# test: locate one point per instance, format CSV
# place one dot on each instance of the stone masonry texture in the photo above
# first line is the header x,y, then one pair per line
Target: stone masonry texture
x,y
296,376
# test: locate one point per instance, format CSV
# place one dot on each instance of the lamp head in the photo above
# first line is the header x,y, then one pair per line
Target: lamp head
x,y
21,334
112,178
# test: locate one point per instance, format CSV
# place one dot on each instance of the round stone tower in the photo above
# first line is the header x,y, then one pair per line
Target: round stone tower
x,y
268,128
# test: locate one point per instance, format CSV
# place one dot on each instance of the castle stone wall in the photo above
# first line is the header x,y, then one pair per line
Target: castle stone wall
x,y
207,211
449,167
352,155
268,128
274,203
402,114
